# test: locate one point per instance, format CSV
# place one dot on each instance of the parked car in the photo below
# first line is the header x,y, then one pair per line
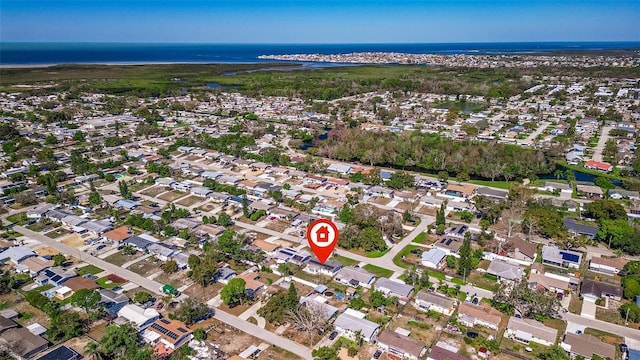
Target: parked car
x,y
472,334
377,354
333,335
475,300
160,305
100,247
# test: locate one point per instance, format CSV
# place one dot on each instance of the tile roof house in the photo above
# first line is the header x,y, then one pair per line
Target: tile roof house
x,y
593,290
354,276
464,191
528,330
471,315
449,245
505,271
400,346
587,346
426,301
23,343
117,235
394,288
252,286
348,324
543,282
609,266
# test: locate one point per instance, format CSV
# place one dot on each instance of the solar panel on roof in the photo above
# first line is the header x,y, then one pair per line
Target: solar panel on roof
x,y
182,329
165,321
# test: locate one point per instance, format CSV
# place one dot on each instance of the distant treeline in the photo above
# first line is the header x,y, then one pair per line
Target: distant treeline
x,y
433,153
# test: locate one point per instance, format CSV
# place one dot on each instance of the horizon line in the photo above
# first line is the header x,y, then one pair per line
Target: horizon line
x,y
326,43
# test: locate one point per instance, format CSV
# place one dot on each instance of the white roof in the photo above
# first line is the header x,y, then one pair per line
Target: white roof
x,y
63,290
137,314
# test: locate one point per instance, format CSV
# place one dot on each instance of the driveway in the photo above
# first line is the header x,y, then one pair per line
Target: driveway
x,y
588,309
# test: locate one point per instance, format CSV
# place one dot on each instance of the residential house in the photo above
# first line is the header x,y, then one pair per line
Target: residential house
x,y
329,267
456,231
623,194
354,276
505,271
552,255
267,247
201,191
162,251
520,249
449,245
339,168
470,315
186,223
598,165
320,301
394,288
580,229
435,302
438,353
34,265
493,194
460,191
137,242
550,186
167,335
137,316
293,256
252,285
117,235
55,276
126,204
166,182
112,301
607,265
77,283
16,254
434,258
591,191
60,292
6,324
224,274
62,352
587,346
23,343
400,346
529,330
552,284
593,290
350,322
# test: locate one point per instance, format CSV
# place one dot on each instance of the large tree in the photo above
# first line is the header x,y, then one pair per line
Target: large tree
x,y
87,299
192,310
234,292
528,302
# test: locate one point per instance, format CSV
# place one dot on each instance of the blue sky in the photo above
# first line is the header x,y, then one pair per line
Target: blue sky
x,y
318,21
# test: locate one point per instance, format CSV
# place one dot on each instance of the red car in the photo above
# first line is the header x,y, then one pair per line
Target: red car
x,y
160,305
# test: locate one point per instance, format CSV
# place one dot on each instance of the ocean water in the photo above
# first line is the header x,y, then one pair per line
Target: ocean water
x,y
86,53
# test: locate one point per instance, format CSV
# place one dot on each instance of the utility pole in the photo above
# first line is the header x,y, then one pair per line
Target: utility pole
x,y
626,319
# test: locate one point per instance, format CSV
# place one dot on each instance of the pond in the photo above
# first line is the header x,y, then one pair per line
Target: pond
x,y
220,86
579,175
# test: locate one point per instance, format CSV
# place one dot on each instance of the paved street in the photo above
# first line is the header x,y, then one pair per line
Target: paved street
x,y
604,136
602,325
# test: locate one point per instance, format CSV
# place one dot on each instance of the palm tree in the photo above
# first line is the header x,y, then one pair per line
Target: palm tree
x,y
558,174
92,351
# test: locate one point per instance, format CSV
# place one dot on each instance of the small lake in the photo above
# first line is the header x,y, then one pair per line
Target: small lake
x,y
220,86
579,175
308,144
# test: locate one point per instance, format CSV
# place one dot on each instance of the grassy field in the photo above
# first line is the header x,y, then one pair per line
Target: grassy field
x,y
496,184
398,258
89,269
345,261
106,284
378,271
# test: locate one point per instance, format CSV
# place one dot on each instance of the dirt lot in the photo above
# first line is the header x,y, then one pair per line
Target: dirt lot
x,y
154,191
426,210
119,258
45,250
276,225
283,243
73,240
193,158
382,200
188,201
171,196
208,206
78,344
177,279
146,267
56,233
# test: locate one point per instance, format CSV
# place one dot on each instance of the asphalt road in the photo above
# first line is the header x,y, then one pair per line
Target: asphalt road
x,y
603,325
602,141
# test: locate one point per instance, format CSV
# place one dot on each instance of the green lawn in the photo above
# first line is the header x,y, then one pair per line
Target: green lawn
x,y
420,239
345,261
496,184
376,254
398,258
18,218
378,271
89,269
103,283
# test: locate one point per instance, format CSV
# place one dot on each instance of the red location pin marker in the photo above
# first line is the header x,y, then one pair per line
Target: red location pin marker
x,y
322,235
